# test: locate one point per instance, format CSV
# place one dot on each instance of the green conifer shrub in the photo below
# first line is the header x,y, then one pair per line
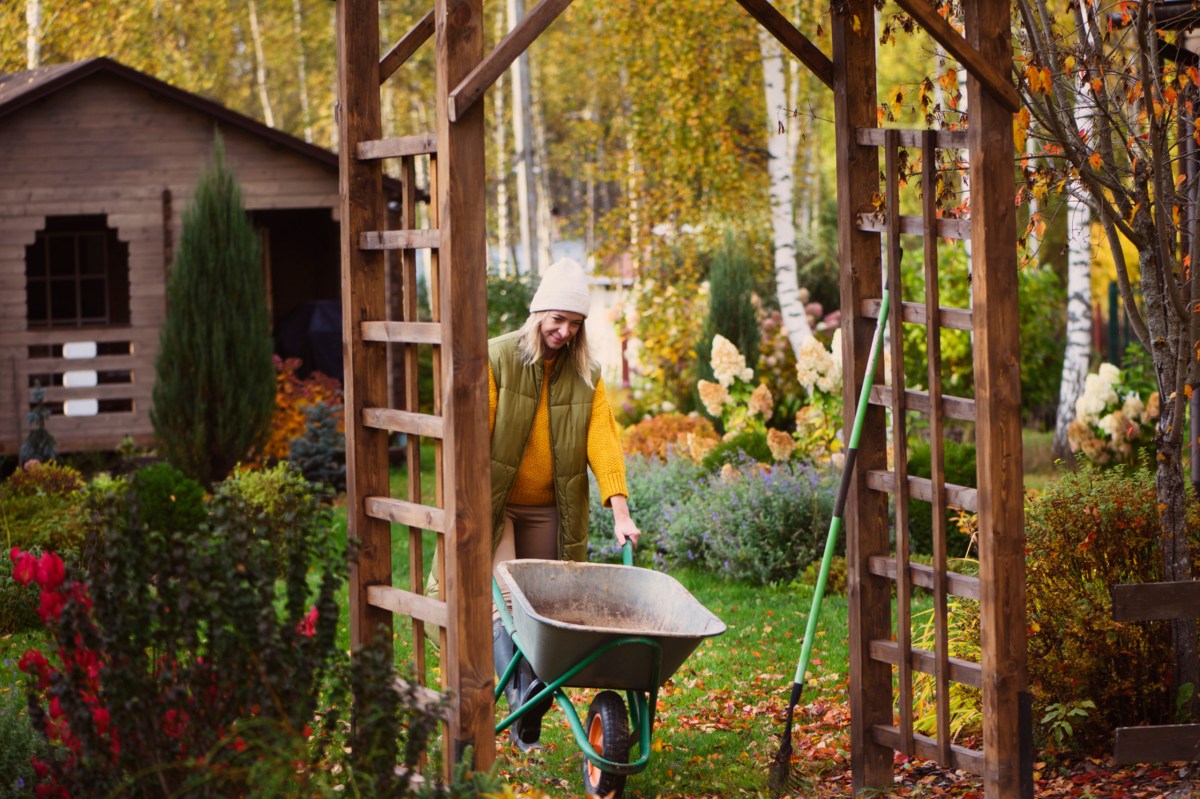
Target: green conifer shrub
x,y
215,387
730,310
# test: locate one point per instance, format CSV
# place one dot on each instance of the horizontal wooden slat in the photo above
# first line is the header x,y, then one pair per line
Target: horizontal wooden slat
x,y
421,144
407,422
402,512
943,139
101,392
961,671
101,363
1153,601
952,407
403,332
66,334
102,424
922,488
397,600
960,585
1157,744
399,240
956,229
914,313
961,758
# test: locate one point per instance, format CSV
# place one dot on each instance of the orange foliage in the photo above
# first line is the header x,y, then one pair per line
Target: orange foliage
x,y
292,397
660,435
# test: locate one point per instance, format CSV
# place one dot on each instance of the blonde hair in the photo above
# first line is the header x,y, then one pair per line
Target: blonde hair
x,y
532,346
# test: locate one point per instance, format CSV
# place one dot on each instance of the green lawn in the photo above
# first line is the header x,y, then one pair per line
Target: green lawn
x,y
716,717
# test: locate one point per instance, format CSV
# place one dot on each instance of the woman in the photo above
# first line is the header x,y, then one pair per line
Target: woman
x,y
549,419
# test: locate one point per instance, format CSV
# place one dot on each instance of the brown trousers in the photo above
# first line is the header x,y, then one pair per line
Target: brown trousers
x,y
530,531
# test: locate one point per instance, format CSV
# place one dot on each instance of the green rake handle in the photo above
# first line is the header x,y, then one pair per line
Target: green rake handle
x,y
835,524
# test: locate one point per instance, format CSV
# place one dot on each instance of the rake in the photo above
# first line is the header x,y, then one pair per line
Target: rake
x,y
779,777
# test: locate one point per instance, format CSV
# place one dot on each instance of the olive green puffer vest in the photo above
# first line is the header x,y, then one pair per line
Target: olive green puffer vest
x,y
519,389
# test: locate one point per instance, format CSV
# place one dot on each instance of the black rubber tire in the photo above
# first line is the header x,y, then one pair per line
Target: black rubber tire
x,y
607,728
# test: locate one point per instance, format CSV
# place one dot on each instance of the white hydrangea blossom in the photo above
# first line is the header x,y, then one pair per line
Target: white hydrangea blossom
x,y
1098,393
1115,424
1110,374
1134,408
727,363
814,365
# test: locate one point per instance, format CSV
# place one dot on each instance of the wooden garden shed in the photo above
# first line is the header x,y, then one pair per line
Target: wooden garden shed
x,y
99,162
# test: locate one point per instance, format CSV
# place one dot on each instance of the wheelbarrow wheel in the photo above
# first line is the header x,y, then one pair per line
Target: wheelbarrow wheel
x,y
608,732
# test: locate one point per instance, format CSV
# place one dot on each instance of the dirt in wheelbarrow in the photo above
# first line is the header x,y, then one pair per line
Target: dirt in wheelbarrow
x,y
821,763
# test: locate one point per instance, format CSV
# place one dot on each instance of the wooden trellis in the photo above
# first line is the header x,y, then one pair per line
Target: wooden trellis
x,y
459,512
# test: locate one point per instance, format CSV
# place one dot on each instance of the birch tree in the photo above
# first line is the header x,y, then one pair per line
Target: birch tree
x,y
33,33
1078,350
302,70
260,65
780,168
1123,170
522,147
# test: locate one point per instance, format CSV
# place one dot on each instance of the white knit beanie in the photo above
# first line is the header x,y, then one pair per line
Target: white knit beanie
x,y
564,287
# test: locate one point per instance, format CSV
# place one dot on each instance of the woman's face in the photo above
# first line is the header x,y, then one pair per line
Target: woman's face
x,y
559,327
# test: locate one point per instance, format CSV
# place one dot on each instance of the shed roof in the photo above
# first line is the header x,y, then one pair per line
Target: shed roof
x,y
19,89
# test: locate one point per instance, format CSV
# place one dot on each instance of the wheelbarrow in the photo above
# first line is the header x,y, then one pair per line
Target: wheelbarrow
x,y
595,625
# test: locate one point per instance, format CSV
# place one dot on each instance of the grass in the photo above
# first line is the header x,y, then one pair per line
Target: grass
x,y
716,727
716,718
1038,459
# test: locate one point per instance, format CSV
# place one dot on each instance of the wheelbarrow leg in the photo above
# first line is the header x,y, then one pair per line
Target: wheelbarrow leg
x,y
526,730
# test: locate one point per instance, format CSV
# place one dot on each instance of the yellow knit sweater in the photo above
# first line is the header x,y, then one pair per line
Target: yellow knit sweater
x,y
535,477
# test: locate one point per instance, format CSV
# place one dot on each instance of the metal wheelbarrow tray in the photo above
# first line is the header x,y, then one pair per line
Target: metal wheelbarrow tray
x,y
565,611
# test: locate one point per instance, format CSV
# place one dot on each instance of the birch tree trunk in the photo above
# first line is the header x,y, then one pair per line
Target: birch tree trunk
x,y
541,173
33,33
260,65
1078,351
522,152
499,102
302,70
779,169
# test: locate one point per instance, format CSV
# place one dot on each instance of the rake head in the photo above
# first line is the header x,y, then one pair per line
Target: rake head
x,y
779,774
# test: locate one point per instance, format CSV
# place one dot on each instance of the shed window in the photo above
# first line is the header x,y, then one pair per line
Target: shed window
x,y
77,274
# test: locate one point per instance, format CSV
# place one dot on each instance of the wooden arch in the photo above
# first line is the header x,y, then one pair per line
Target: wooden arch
x,y
880,645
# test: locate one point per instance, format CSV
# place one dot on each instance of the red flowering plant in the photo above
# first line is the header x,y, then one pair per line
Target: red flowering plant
x,y
181,656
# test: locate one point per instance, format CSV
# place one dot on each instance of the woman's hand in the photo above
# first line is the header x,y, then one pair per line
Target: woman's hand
x,y
623,526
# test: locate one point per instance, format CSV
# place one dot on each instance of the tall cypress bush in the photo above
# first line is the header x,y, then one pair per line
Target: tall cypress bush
x,y
730,309
215,388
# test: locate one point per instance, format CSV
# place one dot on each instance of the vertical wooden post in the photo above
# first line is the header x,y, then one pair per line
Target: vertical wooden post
x,y
998,406
363,299
854,91
467,667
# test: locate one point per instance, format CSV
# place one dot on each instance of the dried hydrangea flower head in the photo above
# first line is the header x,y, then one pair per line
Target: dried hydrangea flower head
x,y
727,363
714,396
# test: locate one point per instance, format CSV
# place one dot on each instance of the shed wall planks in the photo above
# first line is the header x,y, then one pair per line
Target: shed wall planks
x,y
106,145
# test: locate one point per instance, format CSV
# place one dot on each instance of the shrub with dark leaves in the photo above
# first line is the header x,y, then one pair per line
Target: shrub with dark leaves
x,y
177,657
1088,531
